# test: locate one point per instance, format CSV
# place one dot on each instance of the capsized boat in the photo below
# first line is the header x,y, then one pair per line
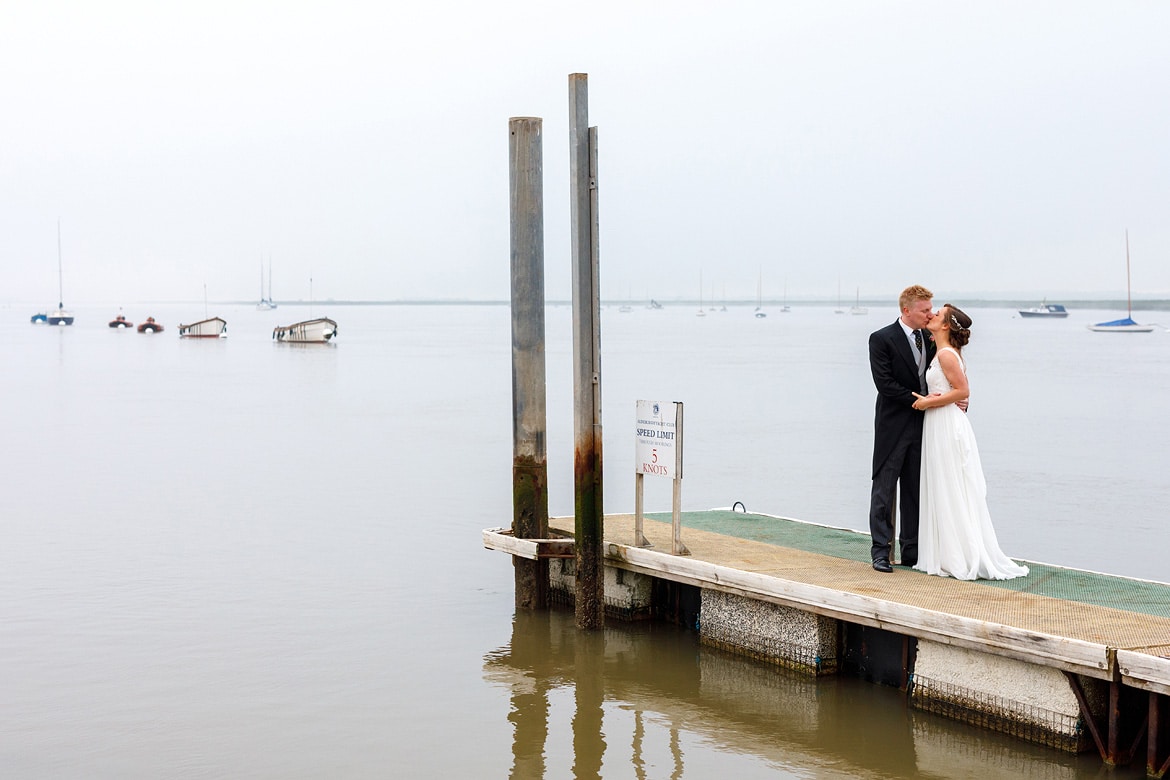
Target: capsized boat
x,y
121,322
211,328
1045,309
150,326
316,331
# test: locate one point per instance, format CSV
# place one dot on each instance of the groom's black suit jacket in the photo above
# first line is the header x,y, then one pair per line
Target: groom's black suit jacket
x,y
895,374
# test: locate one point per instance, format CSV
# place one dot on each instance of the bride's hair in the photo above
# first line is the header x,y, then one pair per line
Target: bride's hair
x,y
959,325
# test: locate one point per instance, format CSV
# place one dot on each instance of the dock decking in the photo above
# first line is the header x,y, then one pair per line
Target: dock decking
x,y
1108,628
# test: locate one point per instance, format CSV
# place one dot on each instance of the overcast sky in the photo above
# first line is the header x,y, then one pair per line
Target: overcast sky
x,y
977,147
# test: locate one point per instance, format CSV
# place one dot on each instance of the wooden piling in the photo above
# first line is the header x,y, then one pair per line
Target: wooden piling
x,y
587,471
529,458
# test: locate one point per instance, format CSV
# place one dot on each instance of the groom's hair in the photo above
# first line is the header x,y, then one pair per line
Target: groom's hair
x,y
914,292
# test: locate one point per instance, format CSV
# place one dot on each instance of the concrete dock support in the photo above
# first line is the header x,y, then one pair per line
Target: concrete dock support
x,y
769,632
529,457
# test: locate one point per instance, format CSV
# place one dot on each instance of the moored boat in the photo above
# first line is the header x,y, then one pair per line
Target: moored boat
x,y
121,322
211,328
1045,309
150,326
60,317
1126,325
40,318
316,331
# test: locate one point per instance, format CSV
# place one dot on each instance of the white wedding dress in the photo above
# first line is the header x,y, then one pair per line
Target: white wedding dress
x,y
955,537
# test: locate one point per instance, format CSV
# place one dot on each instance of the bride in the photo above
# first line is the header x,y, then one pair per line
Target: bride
x,y
955,537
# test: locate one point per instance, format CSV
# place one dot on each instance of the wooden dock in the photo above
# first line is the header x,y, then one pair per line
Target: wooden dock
x,y
1075,659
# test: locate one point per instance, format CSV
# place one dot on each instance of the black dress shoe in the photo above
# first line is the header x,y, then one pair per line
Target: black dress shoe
x,y
908,562
883,565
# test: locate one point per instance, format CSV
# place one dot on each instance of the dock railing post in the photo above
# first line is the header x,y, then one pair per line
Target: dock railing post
x,y
587,460
676,545
529,457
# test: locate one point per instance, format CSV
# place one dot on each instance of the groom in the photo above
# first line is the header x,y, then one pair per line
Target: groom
x,y
898,356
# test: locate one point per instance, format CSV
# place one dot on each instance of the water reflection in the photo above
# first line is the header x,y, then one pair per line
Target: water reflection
x,y
643,694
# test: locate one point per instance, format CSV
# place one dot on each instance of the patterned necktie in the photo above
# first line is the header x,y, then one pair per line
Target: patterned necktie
x,y
921,361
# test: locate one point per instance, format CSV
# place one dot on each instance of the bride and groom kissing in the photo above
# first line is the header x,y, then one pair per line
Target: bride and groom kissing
x,y
924,441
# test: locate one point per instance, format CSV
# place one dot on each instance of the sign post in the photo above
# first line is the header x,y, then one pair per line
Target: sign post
x,y
659,451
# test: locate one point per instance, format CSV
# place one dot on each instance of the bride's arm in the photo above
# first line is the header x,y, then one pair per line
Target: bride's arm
x,y
949,362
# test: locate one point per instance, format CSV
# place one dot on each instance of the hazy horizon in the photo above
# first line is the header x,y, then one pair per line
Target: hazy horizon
x,y
360,150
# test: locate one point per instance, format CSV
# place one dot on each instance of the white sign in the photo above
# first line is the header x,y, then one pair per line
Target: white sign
x,y
655,439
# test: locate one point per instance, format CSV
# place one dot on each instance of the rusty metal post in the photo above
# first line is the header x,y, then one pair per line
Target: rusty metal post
x,y
589,523
529,459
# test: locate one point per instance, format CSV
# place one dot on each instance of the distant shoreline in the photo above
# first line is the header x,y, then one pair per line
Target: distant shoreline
x,y
1148,304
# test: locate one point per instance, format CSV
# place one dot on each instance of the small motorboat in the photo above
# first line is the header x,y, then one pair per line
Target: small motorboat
x,y
150,326
318,331
40,318
212,328
1045,310
121,322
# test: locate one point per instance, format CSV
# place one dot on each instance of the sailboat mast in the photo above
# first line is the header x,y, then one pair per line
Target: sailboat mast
x,y
1128,294
61,276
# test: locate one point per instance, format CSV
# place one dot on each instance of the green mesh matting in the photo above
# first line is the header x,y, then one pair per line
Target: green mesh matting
x,y
1102,590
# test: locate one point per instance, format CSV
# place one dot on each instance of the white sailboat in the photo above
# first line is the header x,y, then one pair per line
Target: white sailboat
x,y
760,313
839,309
60,316
701,312
266,304
1126,325
857,307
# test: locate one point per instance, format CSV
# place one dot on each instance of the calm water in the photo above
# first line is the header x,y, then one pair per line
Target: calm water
x,y
252,560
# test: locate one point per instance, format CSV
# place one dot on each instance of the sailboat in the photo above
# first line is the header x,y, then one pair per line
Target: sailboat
x,y
60,316
701,312
760,313
266,304
839,309
858,308
1126,325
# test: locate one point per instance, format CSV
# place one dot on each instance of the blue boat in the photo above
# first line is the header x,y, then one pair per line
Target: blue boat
x,y
1126,325
1045,310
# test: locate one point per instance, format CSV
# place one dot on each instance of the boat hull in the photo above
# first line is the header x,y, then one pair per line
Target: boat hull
x,y
318,331
60,317
214,328
1121,328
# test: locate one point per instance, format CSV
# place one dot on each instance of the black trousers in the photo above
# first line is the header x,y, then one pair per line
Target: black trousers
x,y
903,465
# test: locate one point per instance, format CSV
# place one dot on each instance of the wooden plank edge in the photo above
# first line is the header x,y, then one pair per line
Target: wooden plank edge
x,y
1145,671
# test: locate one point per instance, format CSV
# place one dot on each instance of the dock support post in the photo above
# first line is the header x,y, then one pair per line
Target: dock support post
x,y
529,457
589,522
